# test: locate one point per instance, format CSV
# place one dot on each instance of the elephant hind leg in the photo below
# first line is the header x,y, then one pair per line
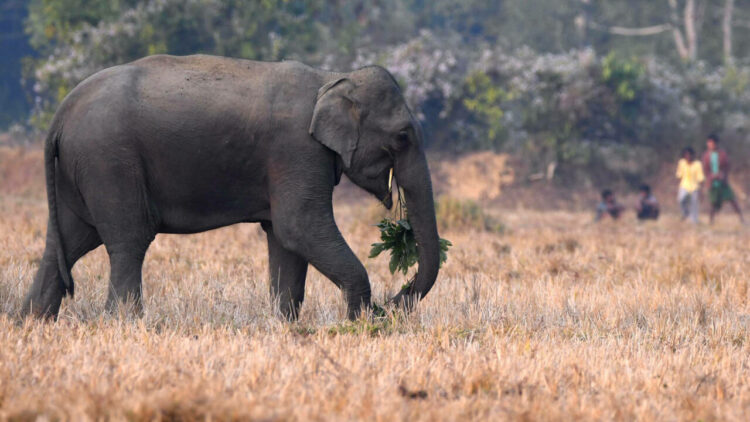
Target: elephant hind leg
x,y
287,273
127,236
46,292
127,241
127,222
126,264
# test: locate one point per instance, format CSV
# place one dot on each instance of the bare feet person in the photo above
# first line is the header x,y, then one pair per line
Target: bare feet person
x,y
690,173
716,167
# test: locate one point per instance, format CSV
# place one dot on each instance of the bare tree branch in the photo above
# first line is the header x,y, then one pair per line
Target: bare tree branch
x,y
726,24
582,22
679,41
686,43
690,32
633,32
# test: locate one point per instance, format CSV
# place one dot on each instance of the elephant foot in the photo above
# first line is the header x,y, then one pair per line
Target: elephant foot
x,y
40,309
354,312
45,295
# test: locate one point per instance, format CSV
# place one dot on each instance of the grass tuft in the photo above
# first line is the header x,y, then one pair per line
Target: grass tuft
x,y
456,214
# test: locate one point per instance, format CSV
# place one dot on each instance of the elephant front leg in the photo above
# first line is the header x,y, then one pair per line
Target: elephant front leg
x,y
287,273
317,239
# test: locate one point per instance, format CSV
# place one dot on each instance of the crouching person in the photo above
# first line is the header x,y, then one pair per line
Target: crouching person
x,y
608,206
647,207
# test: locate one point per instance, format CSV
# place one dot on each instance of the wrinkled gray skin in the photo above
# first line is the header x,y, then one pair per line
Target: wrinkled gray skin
x,y
187,144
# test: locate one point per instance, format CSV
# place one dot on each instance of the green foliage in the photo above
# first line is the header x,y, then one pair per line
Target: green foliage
x,y
398,238
736,81
484,99
624,77
384,324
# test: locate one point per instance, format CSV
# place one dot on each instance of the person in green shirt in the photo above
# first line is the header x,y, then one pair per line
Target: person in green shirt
x,y
716,169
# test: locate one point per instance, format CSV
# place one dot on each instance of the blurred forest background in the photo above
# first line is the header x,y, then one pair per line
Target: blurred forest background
x,y
575,90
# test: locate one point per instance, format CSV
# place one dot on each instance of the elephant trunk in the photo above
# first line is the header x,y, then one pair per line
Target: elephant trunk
x,y
413,176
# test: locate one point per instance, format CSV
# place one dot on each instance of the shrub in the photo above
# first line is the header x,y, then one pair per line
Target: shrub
x,y
455,214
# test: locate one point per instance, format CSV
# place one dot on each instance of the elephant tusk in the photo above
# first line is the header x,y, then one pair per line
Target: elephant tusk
x,y
390,180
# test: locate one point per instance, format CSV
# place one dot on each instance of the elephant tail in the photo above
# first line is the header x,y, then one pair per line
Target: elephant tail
x,y
50,157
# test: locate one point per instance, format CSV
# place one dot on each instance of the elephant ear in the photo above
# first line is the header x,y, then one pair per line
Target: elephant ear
x,y
335,120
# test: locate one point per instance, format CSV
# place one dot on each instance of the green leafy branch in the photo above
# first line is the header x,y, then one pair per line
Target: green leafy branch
x,y
398,238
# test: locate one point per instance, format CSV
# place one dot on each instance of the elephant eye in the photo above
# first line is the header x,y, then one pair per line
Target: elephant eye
x,y
403,137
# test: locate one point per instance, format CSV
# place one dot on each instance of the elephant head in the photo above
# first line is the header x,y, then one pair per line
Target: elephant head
x,y
363,117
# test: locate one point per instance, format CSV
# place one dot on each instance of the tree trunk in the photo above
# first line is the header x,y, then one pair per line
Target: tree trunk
x,y
690,32
582,23
679,40
726,24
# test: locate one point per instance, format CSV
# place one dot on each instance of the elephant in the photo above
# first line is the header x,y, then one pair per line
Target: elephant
x,y
185,144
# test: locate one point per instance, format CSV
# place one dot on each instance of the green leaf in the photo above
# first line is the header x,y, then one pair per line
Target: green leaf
x,y
377,248
393,265
444,245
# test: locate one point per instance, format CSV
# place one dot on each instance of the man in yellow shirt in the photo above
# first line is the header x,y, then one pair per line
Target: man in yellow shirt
x,y
690,173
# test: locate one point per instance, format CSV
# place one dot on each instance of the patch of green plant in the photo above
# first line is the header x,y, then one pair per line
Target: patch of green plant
x,y
303,331
378,327
624,76
454,214
484,99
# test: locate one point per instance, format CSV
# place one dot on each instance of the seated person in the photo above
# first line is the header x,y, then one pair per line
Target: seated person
x,y
608,206
648,206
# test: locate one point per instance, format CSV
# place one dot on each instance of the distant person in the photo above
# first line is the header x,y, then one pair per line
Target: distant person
x,y
608,206
648,206
716,168
690,173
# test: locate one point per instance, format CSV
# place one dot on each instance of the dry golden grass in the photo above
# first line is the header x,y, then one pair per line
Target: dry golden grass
x,y
553,319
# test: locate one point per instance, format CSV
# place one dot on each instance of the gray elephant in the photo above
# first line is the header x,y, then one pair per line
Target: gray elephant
x,y
186,144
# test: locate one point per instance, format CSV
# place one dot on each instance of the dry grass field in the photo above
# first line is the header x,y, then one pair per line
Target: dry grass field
x,y
553,319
